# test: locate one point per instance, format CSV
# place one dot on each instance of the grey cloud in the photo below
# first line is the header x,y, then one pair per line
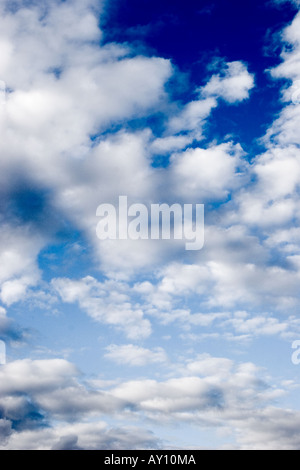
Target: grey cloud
x,y
5,430
269,429
224,394
67,443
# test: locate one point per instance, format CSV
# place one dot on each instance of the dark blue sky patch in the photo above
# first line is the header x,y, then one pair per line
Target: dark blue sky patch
x,y
11,332
193,34
28,204
27,417
184,31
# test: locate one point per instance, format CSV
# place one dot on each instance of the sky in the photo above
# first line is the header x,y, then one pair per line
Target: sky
x,y
132,343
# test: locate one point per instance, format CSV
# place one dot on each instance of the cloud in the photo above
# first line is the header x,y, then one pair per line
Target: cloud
x,y
50,387
212,298
205,365
106,302
218,393
265,326
45,405
193,116
232,83
85,436
201,174
278,168
61,82
129,354
68,96
295,2
68,442
271,429
187,395
32,389
165,145
74,89
19,248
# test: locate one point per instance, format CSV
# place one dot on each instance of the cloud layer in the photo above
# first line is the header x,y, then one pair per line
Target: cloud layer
x,y
211,392
76,132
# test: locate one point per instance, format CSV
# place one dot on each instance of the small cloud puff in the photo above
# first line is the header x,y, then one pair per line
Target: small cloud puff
x,y
232,83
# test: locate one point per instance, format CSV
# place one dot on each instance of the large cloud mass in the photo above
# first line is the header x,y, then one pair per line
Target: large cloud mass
x,y
75,133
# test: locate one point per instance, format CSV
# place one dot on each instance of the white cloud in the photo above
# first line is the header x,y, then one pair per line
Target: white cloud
x,y
65,88
54,386
82,436
287,239
271,203
233,83
106,302
165,145
2,312
214,288
270,429
205,365
19,248
207,173
212,391
32,389
65,85
193,117
284,129
129,354
259,325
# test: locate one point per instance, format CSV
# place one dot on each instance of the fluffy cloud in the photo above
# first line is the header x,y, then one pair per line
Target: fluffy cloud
x,y
244,324
74,89
233,83
221,394
49,386
201,174
32,390
60,94
254,283
19,248
275,195
84,436
105,302
193,116
66,96
271,429
135,355
211,392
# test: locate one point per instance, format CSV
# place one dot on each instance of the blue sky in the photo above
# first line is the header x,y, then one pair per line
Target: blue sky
x,y
140,344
